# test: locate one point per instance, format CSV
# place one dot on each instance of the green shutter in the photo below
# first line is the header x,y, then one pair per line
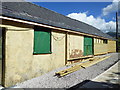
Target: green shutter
x,y
88,46
42,41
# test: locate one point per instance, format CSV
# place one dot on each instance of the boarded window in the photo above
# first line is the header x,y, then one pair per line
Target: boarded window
x,y
42,40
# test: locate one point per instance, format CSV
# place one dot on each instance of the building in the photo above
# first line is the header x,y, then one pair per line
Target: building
x,y
36,40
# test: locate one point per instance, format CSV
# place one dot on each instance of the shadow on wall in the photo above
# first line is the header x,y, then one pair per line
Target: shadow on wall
x,y
88,84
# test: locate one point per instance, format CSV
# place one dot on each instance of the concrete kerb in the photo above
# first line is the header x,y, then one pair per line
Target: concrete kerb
x,y
90,83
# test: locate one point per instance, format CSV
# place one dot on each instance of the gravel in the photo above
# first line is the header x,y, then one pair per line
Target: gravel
x,y
48,80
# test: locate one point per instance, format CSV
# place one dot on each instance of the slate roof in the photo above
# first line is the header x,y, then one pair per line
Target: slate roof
x,y
31,12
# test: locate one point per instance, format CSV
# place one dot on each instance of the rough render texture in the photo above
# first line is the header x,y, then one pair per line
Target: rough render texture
x,y
74,46
21,64
111,46
100,48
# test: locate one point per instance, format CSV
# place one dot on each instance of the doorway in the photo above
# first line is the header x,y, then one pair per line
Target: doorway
x,y
2,53
88,46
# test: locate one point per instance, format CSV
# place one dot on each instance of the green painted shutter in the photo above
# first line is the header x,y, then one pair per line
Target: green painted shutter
x,y
42,41
88,46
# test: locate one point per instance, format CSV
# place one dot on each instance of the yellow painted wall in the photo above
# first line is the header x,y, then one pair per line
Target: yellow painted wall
x,y
21,64
19,57
111,46
74,46
100,47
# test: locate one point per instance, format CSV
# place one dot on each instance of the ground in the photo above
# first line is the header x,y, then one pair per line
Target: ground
x,y
108,79
80,77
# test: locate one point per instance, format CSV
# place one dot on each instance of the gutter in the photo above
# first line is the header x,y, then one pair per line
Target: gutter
x,y
47,26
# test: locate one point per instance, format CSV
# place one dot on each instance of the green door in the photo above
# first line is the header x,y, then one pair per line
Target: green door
x,y
88,46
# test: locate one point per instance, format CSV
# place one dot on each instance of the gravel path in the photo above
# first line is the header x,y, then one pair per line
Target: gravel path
x,y
108,79
48,80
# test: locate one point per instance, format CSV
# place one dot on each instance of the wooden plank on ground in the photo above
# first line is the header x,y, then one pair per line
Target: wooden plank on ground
x,y
74,68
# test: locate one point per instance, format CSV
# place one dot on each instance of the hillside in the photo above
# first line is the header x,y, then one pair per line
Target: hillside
x,y
113,34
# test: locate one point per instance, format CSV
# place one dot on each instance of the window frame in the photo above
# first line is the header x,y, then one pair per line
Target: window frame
x,y
36,28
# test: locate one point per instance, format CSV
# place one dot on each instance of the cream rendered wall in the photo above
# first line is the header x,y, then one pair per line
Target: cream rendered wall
x,y
111,46
18,56
21,64
75,46
54,60
99,47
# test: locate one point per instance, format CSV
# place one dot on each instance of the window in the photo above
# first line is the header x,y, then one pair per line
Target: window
x,y
105,41
42,40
